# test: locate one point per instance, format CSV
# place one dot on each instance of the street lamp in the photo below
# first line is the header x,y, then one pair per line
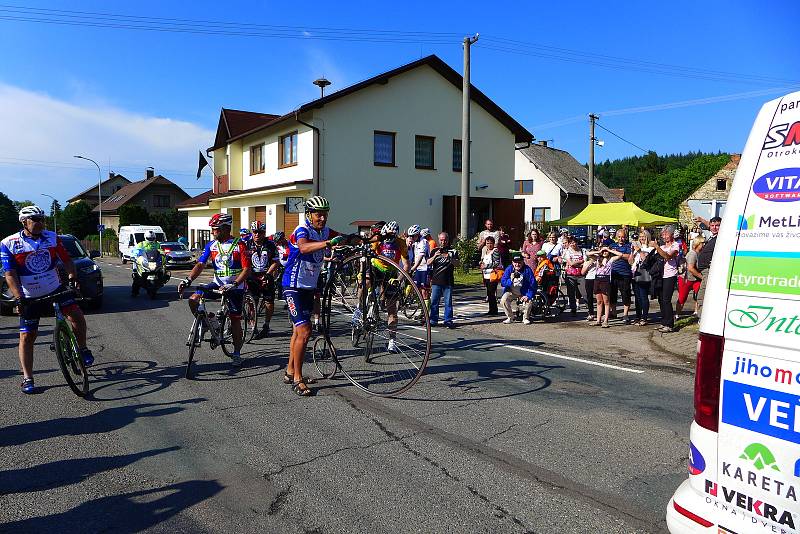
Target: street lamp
x,y
55,215
99,200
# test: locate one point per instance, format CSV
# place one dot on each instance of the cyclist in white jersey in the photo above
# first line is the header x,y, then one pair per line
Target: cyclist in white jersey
x,y
30,259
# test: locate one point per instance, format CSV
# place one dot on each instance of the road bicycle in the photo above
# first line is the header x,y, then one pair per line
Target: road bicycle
x,y
65,345
361,314
254,309
215,328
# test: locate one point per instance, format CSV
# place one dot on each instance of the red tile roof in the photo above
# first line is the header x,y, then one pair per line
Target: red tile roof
x,y
199,200
129,191
234,122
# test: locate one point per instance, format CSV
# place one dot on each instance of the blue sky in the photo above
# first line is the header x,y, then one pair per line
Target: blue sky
x,y
140,98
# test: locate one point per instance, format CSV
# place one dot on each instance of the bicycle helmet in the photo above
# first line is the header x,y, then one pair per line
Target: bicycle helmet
x,y
317,203
150,235
243,231
390,228
258,226
277,236
425,232
30,211
413,230
220,219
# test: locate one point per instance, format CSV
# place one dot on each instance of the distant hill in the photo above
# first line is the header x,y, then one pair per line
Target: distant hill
x,y
660,183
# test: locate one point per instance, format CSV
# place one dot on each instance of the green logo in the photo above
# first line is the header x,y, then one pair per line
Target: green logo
x,y
747,223
761,457
761,316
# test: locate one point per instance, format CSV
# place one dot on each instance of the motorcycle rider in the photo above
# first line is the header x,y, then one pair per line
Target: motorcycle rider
x,y
141,249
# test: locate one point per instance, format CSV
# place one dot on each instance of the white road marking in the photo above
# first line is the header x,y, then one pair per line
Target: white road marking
x,y
572,359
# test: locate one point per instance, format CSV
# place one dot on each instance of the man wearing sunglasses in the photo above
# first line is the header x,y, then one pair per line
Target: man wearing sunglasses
x,y
30,259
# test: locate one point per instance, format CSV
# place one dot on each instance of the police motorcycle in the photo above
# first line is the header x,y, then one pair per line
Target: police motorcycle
x,y
148,273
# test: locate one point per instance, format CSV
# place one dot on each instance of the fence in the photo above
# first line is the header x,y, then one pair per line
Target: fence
x,y
110,245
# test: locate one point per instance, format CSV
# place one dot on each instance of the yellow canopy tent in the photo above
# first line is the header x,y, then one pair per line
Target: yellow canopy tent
x,y
616,214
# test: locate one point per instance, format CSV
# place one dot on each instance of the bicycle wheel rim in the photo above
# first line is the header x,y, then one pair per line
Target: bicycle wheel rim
x,y
226,335
70,360
371,367
194,335
249,317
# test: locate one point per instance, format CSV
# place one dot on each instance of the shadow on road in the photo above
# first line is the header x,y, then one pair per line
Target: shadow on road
x,y
101,422
65,472
130,512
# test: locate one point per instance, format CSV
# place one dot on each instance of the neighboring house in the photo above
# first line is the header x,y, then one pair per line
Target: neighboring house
x,y
108,187
155,193
618,193
385,148
710,199
553,184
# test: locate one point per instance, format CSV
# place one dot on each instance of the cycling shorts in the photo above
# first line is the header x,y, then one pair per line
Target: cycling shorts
x,y
263,286
300,303
421,278
32,312
234,298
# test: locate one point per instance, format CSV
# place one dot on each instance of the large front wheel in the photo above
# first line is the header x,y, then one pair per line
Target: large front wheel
x,y
394,350
70,359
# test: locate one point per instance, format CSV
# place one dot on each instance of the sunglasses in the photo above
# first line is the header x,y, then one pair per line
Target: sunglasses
x,y
37,218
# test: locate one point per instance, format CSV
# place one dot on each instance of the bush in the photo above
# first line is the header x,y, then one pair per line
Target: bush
x,y
77,219
467,250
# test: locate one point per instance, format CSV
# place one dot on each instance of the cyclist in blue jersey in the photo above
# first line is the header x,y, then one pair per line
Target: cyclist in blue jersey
x,y
30,259
231,262
307,246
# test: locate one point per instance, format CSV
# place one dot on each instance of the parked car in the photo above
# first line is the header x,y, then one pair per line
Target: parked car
x,y
90,277
177,255
744,442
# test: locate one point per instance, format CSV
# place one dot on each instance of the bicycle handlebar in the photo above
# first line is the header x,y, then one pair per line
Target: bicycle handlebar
x,y
29,300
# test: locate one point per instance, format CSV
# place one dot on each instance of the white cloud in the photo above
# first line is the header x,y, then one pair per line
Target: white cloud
x,y
41,134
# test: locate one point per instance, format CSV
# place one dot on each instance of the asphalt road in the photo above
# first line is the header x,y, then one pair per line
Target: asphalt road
x,y
499,435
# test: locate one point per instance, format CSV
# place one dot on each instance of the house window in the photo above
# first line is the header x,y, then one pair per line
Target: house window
x,y
257,159
540,215
160,201
721,184
457,155
384,148
287,150
423,152
523,187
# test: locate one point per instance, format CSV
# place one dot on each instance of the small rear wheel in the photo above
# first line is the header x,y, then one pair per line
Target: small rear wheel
x,y
324,360
70,359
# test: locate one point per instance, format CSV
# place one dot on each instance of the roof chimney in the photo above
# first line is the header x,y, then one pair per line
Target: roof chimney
x,y
543,143
149,173
111,174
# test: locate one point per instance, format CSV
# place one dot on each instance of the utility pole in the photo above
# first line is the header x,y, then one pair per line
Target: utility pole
x,y
592,141
465,102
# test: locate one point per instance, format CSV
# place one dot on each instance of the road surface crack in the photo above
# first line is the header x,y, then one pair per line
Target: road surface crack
x,y
279,501
500,433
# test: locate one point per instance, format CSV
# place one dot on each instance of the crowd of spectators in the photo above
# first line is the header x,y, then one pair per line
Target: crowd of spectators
x,y
599,273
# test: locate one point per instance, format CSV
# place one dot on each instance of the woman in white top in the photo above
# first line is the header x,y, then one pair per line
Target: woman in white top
x,y
641,277
670,254
589,271
490,264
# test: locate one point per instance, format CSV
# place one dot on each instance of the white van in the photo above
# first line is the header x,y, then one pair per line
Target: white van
x,y
129,236
744,467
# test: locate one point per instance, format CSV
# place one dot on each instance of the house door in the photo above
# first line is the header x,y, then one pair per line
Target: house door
x,y
510,214
260,213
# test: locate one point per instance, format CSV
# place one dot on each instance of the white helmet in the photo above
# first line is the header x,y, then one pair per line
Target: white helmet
x,y
30,211
390,228
677,233
413,230
150,235
425,232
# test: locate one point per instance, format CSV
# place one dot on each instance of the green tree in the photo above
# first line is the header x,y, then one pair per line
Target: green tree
x,y
77,219
55,215
9,222
19,204
172,222
133,214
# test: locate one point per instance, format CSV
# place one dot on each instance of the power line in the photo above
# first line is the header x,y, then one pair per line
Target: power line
x,y
597,123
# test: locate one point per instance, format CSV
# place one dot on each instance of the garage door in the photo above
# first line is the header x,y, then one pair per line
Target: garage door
x,y
290,222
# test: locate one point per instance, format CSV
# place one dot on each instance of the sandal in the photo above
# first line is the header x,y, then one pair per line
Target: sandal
x,y
289,379
605,325
301,389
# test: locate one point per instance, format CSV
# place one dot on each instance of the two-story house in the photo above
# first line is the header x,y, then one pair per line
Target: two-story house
x,y
108,187
385,148
155,193
553,184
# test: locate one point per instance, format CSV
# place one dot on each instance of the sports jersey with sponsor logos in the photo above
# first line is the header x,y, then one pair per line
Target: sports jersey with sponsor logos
x,y
262,256
394,249
422,249
35,260
228,260
302,270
